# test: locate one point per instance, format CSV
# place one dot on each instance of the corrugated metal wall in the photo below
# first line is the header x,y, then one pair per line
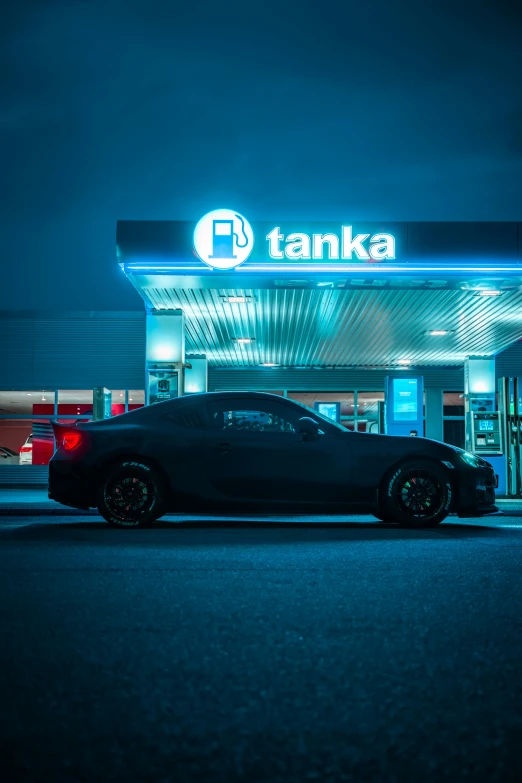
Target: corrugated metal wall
x,y
75,350
220,379
24,476
508,364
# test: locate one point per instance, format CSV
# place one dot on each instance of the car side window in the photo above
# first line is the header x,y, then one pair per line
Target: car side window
x,y
190,416
228,416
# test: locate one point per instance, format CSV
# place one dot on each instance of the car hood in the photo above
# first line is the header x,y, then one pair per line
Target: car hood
x,y
403,446
406,446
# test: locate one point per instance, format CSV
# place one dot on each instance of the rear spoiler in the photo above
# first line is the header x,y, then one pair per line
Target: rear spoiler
x,y
60,426
64,433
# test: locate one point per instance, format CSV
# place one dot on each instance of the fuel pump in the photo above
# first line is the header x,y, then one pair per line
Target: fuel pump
x,y
510,406
484,434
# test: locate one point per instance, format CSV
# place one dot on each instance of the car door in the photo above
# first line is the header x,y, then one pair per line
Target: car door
x,y
175,441
255,452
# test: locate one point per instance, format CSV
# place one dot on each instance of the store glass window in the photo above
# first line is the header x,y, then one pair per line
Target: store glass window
x,y
367,425
27,403
367,403
136,399
453,403
73,403
453,418
26,441
346,400
117,402
26,436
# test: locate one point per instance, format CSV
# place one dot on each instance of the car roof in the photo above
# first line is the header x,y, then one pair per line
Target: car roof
x,y
235,395
161,408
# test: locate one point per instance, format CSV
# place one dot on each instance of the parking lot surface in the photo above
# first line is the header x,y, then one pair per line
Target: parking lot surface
x,y
263,650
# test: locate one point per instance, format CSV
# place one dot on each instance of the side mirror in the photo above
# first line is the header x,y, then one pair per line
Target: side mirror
x,y
308,427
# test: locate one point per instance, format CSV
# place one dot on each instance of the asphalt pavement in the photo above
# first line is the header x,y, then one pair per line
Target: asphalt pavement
x,y
260,650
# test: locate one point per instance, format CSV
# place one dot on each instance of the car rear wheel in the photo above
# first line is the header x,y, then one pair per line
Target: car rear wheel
x,y
417,494
131,495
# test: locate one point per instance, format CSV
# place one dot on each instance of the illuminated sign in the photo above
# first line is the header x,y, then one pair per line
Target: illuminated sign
x,y
332,410
364,247
405,399
223,239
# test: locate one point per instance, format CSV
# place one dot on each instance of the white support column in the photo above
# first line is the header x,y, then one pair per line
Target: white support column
x,y
196,376
165,336
479,375
165,354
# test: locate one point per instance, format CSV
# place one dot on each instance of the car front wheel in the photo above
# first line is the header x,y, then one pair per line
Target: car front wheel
x,y
131,495
417,494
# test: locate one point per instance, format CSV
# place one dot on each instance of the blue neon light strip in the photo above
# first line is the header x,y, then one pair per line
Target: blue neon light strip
x,y
374,268
366,269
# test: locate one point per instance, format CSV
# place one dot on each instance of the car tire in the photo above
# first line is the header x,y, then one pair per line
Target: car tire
x,y
131,495
417,493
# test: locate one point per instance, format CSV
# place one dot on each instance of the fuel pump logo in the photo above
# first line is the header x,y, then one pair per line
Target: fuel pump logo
x,y
223,239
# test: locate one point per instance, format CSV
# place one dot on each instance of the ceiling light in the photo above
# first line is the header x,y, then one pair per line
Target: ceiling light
x,y
235,299
269,364
489,292
244,340
438,332
404,361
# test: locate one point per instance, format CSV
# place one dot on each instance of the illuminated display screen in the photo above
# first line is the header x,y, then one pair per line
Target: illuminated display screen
x,y
405,399
328,409
486,426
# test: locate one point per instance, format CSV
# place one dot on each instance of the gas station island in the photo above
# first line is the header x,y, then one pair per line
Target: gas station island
x,y
403,328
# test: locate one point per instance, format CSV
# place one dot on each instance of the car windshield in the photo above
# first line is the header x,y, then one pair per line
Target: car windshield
x,y
318,415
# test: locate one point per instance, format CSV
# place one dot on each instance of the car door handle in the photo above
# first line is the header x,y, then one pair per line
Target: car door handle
x,y
223,445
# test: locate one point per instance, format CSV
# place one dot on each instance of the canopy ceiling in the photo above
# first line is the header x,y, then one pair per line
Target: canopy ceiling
x,y
325,326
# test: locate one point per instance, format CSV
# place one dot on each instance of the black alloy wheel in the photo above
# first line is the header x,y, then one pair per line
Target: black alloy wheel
x,y
418,495
132,495
419,492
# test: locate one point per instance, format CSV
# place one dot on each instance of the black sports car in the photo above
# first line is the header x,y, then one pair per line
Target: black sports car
x,y
256,452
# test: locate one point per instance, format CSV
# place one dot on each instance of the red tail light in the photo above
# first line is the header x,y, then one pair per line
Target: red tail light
x,y
71,440
26,449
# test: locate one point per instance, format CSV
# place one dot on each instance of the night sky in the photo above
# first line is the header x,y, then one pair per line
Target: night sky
x,y
160,109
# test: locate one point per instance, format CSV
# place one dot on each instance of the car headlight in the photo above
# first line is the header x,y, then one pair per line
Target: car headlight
x,y
470,458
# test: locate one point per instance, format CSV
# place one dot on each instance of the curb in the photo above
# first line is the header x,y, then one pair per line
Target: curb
x,y
38,511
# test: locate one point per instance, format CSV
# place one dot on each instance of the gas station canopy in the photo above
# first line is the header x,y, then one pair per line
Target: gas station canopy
x,y
304,295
